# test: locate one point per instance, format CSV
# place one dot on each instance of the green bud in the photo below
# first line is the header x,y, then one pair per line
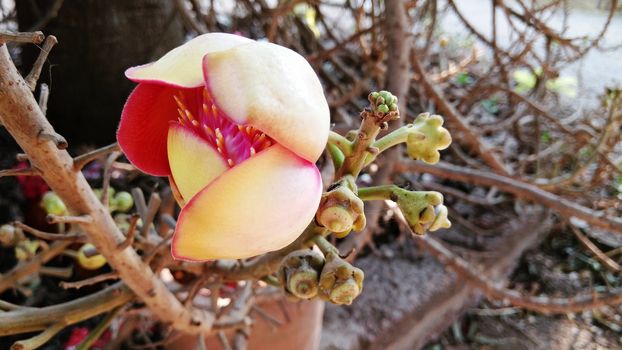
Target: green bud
x,y
340,282
423,210
8,235
122,201
88,260
52,204
26,249
383,108
299,273
426,136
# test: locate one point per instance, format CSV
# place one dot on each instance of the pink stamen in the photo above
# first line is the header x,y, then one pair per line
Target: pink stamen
x,y
234,142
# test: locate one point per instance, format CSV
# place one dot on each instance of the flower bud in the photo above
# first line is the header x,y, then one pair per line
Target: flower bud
x,y
88,257
122,201
52,204
9,235
340,282
26,249
299,273
424,211
426,137
341,211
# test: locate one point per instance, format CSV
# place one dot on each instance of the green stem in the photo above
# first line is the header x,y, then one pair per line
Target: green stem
x,y
377,193
325,245
344,145
271,280
336,155
39,339
394,138
99,330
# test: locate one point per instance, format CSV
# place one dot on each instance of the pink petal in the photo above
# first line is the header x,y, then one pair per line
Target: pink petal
x,y
144,126
258,206
181,66
275,90
194,162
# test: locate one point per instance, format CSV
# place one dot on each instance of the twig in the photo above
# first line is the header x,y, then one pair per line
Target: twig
x,y
50,14
266,316
6,306
25,320
33,76
140,203
131,231
44,94
150,213
58,140
89,281
80,161
96,332
23,37
106,176
69,219
58,272
223,340
520,189
74,237
20,172
598,254
457,121
39,339
11,278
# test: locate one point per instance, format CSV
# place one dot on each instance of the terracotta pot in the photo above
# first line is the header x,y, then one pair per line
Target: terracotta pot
x,y
300,332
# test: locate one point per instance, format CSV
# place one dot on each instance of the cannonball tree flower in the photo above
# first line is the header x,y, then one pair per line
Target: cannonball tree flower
x,y
237,126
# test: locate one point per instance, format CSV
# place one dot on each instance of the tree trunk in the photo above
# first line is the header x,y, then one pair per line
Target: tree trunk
x,y
98,40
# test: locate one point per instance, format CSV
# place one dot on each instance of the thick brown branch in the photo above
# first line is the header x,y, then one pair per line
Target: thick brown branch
x,y
541,304
27,320
20,114
518,188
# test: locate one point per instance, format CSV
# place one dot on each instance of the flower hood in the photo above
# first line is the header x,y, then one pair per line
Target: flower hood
x,y
236,125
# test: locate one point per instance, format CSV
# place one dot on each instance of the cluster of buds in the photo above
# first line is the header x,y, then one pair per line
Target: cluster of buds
x,y
383,102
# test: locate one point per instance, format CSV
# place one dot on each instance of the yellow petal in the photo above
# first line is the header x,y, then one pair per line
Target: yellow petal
x,y
194,162
261,205
273,89
182,65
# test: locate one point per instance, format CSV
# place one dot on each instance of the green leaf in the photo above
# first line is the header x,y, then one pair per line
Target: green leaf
x,y
464,79
491,105
525,80
545,137
564,85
